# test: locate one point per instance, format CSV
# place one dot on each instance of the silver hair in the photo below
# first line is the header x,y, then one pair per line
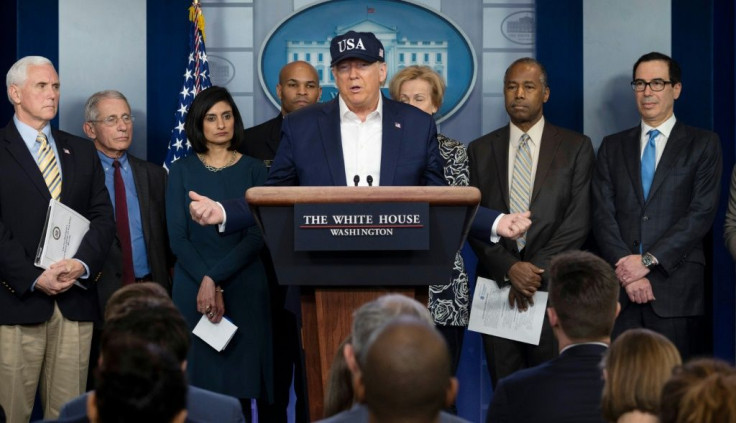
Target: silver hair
x,y
374,315
90,107
18,73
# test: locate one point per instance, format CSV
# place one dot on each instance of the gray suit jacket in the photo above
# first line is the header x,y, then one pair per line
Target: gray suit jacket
x,y
150,184
671,223
202,405
560,202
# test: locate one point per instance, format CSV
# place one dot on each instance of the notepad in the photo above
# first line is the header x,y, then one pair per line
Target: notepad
x,y
217,335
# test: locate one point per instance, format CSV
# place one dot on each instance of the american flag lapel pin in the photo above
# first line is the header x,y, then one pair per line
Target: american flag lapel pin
x,y
397,125
66,151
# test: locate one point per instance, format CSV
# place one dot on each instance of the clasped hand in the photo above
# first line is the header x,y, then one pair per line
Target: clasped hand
x,y
59,277
525,280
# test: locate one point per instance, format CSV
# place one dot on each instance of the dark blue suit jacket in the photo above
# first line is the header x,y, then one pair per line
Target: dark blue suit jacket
x,y
202,405
310,152
672,223
566,389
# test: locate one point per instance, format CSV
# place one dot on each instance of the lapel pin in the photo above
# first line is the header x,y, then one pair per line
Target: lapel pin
x,y
66,151
397,124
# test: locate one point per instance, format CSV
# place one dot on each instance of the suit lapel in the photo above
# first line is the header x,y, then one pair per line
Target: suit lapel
x,y
500,153
391,139
676,142
329,126
631,152
18,150
140,180
548,146
66,160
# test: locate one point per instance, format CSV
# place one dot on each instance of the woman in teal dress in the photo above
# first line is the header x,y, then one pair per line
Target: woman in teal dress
x,y
220,275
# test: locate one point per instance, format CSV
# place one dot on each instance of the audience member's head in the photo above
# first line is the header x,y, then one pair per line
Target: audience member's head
x,y
583,298
702,390
406,372
339,393
138,382
161,324
366,320
636,367
134,296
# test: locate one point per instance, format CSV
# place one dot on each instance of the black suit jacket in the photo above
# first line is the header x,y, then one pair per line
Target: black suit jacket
x,y
150,184
566,389
262,141
560,201
24,200
671,223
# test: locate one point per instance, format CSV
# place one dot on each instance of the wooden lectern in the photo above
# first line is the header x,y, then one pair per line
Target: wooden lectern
x,y
337,282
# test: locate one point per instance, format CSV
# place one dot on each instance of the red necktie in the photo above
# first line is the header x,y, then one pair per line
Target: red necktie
x,y
121,219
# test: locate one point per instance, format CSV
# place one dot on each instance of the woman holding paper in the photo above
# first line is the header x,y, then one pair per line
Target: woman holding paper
x,y
220,276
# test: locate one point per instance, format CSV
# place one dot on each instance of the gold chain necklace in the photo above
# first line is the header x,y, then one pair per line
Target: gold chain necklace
x,y
230,162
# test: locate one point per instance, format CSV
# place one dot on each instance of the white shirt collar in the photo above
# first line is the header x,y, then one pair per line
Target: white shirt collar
x,y
665,128
346,113
535,133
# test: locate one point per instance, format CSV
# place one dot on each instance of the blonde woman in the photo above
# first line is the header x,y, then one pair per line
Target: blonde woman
x,y
636,367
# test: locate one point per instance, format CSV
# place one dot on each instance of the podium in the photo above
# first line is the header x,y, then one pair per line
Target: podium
x,y
349,245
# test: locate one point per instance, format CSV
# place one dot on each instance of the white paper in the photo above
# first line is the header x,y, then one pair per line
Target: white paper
x,y
492,315
217,335
62,235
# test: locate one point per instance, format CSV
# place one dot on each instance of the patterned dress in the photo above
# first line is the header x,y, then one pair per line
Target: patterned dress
x,y
448,304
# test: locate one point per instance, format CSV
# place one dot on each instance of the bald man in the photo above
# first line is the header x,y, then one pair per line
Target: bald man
x,y
407,374
298,87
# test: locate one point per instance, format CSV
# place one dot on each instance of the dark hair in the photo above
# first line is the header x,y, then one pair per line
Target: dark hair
x,y
544,78
160,324
583,290
134,296
702,390
139,382
674,68
339,393
202,103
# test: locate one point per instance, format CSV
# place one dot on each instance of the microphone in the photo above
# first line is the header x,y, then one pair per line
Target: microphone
x,y
356,179
370,180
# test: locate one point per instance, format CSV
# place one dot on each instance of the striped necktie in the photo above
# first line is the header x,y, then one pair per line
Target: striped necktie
x,y
649,162
49,168
521,178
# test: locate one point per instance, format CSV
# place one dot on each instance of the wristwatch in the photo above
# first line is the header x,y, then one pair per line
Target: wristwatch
x,y
648,260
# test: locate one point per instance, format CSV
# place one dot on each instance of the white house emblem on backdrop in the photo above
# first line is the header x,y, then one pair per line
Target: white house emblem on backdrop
x,y
410,33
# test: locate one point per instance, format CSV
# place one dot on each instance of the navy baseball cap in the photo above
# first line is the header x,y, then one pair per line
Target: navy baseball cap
x,y
356,45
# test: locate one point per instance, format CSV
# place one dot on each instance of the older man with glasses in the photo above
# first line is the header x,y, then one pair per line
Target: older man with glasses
x,y
136,188
655,193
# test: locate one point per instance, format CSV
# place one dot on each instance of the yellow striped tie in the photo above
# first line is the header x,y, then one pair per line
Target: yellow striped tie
x,y
47,164
521,183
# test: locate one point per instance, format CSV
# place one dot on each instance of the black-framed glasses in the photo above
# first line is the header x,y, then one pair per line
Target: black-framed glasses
x,y
657,84
113,120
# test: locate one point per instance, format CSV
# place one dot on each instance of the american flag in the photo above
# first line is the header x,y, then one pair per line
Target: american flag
x,y
196,79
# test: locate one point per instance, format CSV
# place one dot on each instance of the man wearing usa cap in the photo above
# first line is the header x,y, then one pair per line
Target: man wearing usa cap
x,y
359,138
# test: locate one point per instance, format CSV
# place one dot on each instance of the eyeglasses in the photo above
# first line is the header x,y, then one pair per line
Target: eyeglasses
x,y
658,84
113,120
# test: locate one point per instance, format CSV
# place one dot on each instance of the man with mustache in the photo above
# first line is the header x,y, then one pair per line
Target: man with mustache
x,y
529,165
655,193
